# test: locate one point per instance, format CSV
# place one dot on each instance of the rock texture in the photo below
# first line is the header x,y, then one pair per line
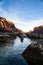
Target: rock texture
x,y
34,53
8,29
36,33
6,25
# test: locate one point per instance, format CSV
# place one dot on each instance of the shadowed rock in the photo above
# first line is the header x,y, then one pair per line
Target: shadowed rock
x,y
34,53
36,33
8,30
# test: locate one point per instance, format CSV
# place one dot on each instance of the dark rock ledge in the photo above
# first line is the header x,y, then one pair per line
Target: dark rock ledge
x,y
34,53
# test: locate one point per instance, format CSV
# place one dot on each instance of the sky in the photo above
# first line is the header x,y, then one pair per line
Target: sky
x,y
26,14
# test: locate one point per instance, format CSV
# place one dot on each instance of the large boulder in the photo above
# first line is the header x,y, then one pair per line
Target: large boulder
x,y
34,53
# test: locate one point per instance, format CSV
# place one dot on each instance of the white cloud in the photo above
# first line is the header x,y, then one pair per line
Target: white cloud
x,y
26,26
20,23
2,11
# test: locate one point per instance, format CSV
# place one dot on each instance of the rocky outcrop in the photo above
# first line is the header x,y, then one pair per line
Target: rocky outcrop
x,y
8,29
6,25
36,33
34,53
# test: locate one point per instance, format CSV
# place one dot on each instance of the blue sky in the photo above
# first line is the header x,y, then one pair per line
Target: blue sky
x,y
24,13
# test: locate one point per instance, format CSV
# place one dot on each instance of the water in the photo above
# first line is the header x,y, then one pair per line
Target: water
x,y
11,53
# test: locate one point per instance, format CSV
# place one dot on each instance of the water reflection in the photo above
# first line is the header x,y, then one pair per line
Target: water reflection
x,y
21,39
10,53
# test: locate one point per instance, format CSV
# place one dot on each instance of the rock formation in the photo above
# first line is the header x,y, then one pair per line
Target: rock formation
x,y
34,53
36,33
6,25
8,29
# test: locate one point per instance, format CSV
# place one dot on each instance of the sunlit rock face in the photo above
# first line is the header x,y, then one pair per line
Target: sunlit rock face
x,y
36,33
38,29
6,24
8,30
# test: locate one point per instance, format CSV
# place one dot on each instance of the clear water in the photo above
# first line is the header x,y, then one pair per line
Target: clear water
x,y
11,53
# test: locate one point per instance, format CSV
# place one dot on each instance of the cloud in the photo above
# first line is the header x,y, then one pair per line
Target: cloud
x,y
2,11
20,23
26,26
